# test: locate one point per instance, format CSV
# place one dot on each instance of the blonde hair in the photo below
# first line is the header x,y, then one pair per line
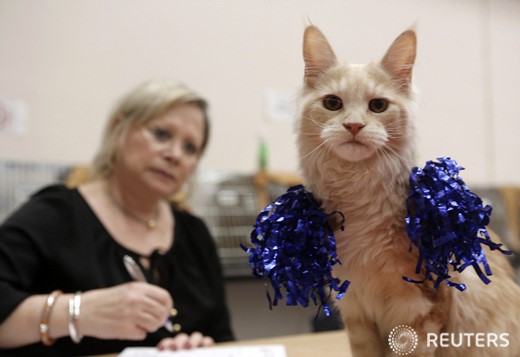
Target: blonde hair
x,y
144,103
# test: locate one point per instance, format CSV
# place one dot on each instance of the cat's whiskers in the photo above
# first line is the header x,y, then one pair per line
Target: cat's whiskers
x,y
399,123
325,150
400,146
390,150
320,149
387,160
396,128
318,124
396,131
328,150
387,156
309,134
396,123
392,136
383,156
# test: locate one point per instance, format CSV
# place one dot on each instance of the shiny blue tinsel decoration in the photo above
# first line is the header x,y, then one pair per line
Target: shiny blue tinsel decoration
x,y
447,222
295,248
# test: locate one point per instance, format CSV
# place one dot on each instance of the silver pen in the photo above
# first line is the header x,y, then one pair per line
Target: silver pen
x,y
137,274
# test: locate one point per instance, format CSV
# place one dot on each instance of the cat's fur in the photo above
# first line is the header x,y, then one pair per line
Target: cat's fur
x,y
365,176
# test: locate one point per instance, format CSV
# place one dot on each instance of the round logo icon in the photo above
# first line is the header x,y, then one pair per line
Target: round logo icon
x,y
403,340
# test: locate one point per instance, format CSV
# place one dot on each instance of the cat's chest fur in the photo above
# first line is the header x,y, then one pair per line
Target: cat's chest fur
x,y
373,202
374,246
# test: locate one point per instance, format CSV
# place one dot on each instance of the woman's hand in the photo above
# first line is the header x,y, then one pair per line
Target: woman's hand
x,y
184,341
127,311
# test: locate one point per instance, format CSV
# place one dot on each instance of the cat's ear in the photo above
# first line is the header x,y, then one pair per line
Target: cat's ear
x,y
400,57
317,54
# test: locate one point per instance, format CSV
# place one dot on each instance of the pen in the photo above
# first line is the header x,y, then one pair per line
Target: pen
x,y
137,275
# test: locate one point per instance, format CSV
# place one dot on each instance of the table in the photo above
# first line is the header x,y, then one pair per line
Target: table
x,y
330,343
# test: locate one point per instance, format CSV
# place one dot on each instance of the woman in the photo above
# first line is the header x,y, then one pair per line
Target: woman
x,y
65,287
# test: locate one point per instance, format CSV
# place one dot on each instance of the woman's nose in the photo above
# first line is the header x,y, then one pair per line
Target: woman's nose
x,y
174,151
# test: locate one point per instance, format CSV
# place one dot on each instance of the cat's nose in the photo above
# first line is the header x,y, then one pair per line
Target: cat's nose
x,y
354,128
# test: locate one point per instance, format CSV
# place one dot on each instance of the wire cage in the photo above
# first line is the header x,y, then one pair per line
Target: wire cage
x,y
229,203
19,180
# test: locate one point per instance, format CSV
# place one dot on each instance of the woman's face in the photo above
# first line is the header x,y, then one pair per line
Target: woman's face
x,y
161,155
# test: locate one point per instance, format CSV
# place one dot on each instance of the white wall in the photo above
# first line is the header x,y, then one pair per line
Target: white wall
x,y
69,60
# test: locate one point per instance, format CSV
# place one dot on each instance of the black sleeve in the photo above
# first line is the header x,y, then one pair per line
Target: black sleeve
x,y
220,326
23,249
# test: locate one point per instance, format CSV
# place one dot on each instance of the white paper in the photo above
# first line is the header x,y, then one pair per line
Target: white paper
x,y
13,116
279,105
234,351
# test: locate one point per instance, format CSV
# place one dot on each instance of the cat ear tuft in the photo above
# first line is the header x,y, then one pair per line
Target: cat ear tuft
x,y
400,57
317,54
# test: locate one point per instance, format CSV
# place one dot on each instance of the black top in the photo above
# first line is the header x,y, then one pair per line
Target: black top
x,y
55,241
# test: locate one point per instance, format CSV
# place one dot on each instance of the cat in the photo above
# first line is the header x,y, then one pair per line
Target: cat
x,y
356,147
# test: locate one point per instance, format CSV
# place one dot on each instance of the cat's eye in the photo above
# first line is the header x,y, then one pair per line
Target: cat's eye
x,y
332,102
378,105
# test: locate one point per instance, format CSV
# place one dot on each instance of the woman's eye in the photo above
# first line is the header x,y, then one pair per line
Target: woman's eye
x,y
191,148
332,102
161,134
378,105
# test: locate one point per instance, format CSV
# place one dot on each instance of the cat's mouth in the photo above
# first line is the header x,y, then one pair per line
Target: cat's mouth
x,y
354,150
355,142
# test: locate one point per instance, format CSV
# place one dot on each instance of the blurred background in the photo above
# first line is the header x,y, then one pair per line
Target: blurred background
x,y
64,63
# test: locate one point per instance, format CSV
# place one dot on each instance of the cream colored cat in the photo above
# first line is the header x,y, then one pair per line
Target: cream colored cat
x,y
356,148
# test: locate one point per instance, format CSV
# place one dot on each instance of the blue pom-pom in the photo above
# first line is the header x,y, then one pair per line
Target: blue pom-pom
x,y
295,248
447,222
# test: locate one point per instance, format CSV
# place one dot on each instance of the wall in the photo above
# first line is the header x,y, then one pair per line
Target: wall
x,y
69,60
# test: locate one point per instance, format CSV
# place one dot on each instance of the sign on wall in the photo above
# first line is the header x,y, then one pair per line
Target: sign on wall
x,y
13,116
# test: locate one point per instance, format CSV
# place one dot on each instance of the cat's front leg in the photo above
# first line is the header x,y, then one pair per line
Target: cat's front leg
x,y
364,340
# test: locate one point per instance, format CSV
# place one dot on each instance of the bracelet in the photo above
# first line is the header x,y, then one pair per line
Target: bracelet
x,y
74,310
46,312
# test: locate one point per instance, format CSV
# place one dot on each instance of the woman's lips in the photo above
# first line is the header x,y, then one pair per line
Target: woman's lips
x,y
165,174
